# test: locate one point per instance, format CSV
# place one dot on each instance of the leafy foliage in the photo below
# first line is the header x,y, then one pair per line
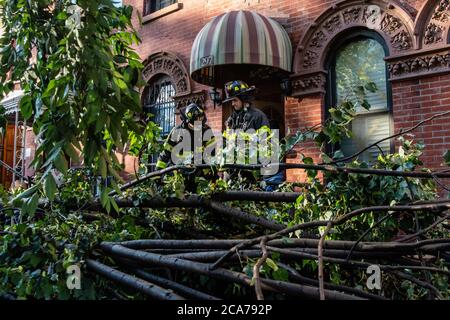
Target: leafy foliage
x,y
80,76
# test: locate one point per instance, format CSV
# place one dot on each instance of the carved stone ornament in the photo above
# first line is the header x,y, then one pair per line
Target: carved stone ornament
x,y
401,41
195,97
433,34
389,20
437,23
390,24
442,12
307,84
169,64
416,66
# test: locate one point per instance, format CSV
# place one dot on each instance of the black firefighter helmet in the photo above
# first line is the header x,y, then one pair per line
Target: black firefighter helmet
x,y
193,113
238,89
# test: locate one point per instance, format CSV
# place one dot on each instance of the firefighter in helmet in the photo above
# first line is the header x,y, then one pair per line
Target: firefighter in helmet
x,y
246,117
193,127
191,116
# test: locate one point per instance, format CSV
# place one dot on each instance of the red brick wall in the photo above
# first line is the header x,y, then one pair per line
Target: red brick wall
x,y
301,114
420,99
413,100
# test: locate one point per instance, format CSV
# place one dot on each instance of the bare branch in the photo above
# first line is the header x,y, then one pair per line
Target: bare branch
x,y
257,267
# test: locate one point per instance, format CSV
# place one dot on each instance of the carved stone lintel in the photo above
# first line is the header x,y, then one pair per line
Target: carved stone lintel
x,y
433,34
351,15
307,84
442,12
376,15
437,24
390,24
318,39
198,97
401,68
333,23
169,64
401,41
310,59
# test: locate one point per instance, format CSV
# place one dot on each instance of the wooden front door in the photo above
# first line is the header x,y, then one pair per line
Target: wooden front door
x,y
7,156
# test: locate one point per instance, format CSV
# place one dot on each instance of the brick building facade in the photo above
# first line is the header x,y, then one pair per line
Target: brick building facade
x,y
414,34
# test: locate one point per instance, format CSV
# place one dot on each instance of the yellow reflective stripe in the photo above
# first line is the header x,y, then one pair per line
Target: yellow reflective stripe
x,y
210,141
161,164
168,147
264,129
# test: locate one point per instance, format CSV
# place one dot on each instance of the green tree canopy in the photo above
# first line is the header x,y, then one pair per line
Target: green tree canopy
x,y
80,75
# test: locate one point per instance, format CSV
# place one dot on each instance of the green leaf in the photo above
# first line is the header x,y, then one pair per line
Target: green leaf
x,y
60,163
103,167
50,187
365,104
32,204
26,193
371,86
52,155
281,275
326,158
104,198
114,205
447,157
120,83
272,264
71,152
26,107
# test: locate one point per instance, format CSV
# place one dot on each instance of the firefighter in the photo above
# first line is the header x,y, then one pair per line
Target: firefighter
x,y
192,116
244,116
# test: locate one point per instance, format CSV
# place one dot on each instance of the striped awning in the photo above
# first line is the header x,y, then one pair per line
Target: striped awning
x,y
240,44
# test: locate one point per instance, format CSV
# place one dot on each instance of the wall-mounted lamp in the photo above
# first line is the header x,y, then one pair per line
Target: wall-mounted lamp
x,y
216,96
286,87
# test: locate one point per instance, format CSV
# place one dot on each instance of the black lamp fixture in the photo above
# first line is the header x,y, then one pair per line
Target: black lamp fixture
x,y
286,87
216,96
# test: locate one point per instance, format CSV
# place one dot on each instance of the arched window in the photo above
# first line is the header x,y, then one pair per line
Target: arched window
x,y
158,101
357,60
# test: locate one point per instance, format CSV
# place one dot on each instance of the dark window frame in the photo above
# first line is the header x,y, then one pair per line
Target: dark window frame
x,y
330,66
150,6
150,106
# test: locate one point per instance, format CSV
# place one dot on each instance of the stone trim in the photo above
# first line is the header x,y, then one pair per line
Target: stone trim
x,y
433,23
417,48
198,97
309,83
169,64
419,64
392,22
161,13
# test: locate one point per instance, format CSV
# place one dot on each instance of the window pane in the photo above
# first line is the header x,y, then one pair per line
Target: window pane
x,y
160,103
368,129
155,5
357,63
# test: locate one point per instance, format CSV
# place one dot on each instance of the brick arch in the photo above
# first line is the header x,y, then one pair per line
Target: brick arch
x,y
432,24
169,64
391,21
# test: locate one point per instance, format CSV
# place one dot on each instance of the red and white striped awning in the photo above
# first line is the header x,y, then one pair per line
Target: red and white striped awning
x,y
257,47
